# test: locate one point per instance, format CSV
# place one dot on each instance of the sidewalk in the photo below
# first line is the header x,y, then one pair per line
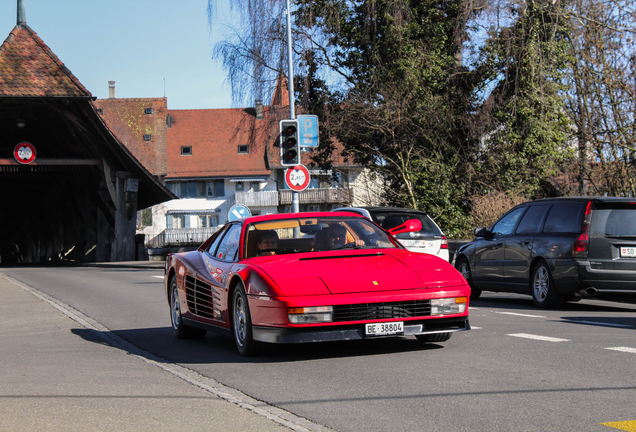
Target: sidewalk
x,y
57,375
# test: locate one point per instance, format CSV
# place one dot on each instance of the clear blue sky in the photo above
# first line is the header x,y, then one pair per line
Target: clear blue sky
x,y
136,43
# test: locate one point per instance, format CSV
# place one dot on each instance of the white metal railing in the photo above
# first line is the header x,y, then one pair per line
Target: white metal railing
x,y
317,196
257,199
181,237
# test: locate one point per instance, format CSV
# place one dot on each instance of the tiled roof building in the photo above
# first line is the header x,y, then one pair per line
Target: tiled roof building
x,y
217,143
139,123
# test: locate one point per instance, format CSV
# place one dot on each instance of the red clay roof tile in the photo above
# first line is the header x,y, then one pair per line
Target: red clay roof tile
x,y
214,136
127,119
29,68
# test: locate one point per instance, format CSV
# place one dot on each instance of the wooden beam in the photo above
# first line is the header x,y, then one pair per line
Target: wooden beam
x,y
59,162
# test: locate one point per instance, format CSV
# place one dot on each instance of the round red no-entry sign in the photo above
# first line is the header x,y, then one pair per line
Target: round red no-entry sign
x,y
297,177
24,153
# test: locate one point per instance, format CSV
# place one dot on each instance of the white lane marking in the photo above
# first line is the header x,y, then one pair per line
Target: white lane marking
x,y
523,315
277,415
537,337
602,324
475,328
623,349
158,277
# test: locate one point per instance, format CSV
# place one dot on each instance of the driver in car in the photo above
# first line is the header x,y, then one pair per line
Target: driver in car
x,y
267,242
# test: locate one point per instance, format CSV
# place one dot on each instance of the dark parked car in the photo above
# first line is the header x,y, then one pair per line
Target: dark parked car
x,y
555,250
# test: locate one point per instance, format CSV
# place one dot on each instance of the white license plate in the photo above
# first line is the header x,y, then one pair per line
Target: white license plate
x,y
413,243
385,328
628,252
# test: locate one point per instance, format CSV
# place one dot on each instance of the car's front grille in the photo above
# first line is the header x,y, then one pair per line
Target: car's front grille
x,y
201,298
388,310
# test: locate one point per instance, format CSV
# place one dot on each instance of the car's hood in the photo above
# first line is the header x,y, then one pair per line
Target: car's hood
x,y
353,272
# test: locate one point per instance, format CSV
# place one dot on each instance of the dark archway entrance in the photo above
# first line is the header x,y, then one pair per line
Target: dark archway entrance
x,y
78,199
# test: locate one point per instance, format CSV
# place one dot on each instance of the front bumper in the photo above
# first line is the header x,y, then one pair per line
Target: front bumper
x,y
289,335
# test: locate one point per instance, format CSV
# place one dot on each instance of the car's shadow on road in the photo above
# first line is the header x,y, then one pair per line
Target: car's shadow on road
x,y
588,312
160,343
524,302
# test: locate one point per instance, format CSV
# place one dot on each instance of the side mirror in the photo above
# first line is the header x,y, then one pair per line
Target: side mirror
x,y
410,225
481,232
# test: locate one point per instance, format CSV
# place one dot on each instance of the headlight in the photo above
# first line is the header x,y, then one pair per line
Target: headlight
x,y
310,315
448,306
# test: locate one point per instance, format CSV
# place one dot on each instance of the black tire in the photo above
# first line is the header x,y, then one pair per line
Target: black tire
x,y
464,268
181,330
242,324
435,337
544,292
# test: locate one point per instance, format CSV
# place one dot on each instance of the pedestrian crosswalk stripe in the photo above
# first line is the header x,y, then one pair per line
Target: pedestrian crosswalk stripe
x,y
623,349
629,426
537,337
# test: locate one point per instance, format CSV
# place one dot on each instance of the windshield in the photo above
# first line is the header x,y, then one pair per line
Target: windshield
x,y
305,235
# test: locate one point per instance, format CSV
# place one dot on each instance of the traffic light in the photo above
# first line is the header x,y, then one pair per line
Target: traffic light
x,y
289,145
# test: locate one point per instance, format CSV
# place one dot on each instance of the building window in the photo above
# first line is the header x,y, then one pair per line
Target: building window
x,y
216,188
208,221
243,149
100,110
186,151
144,218
147,137
148,111
239,186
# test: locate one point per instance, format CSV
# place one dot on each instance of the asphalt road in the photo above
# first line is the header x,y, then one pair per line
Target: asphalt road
x,y
519,369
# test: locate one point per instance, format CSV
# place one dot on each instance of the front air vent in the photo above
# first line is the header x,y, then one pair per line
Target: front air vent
x,y
388,310
202,300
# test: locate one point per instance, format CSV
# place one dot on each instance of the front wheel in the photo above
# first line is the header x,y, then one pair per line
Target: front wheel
x,y
181,330
435,337
464,268
242,323
544,291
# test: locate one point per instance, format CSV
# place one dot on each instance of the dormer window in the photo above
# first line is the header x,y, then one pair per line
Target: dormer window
x,y
100,110
147,110
186,150
242,149
147,137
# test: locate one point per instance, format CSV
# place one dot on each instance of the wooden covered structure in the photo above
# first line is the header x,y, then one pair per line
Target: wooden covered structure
x,y
69,189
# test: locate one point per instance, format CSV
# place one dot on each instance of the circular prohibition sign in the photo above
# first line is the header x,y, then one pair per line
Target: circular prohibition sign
x,y
24,153
297,177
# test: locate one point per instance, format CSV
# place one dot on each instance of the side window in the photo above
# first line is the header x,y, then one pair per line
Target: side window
x,y
217,240
531,220
564,218
506,224
228,248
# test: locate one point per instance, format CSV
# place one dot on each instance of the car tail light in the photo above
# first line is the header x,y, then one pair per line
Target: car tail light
x,y
582,243
444,243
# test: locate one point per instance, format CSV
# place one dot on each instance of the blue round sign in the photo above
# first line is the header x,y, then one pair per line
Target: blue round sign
x,y
237,212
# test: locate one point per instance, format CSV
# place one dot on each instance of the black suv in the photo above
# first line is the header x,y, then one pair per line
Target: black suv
x,y
556,249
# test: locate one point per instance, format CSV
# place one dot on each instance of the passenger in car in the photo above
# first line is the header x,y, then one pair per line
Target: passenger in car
x,y
337,237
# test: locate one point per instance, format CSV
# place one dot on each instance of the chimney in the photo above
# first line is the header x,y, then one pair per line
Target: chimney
x,y
21,14
259,109
111,89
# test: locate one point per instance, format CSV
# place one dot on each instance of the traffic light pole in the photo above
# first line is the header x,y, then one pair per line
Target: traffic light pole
x,y
290,89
